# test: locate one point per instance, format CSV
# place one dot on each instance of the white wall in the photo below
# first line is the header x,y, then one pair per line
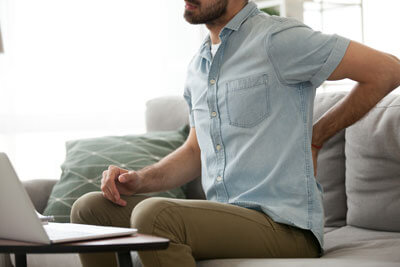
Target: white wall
x,y
381,22
81,68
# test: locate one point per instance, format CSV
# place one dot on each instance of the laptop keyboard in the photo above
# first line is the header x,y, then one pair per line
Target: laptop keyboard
x,y
68,231
57,233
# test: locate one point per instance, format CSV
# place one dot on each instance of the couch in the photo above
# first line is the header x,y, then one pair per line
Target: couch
x,y
359,169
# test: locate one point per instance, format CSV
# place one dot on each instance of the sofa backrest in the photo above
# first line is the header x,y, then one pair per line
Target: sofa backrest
x,y
358,168
373,168
331,169
166,113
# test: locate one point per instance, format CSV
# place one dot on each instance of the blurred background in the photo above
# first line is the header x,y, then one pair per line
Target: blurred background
x,y
73,69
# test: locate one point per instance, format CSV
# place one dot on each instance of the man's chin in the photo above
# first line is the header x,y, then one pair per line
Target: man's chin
x,y
190,17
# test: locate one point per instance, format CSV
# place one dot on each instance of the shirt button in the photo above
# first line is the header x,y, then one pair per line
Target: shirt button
x,y
219,147
219,178
212,81
214,114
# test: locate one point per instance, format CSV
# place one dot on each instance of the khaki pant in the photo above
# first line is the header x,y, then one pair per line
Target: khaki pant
x,y
197,229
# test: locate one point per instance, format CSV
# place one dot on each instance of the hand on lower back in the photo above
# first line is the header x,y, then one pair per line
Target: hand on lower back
x,y
117,182
315,157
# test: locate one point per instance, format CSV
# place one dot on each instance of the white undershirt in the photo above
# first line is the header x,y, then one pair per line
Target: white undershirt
x,y
214,48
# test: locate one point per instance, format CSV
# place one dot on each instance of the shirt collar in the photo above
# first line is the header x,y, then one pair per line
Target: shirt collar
x,y
239,18
234,24
205,48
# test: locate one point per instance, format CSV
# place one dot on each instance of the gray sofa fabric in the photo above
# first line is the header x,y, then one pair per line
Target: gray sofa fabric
x,y
358,168
331,166
373,168
166,113
345,247
39,191
368,245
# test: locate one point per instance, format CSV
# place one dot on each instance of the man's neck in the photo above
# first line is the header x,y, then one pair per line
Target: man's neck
x,y
216,25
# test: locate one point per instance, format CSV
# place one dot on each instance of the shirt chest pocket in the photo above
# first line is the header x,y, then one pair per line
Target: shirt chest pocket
x,y
247,100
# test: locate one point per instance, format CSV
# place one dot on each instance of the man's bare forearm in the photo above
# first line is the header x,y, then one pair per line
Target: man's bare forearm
x,y
176,169
377,74
352,108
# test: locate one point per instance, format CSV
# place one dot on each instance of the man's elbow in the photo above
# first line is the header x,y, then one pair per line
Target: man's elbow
x,y
386,75
394,70
397,75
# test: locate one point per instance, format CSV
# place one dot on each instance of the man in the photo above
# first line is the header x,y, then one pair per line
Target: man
x,y
250,90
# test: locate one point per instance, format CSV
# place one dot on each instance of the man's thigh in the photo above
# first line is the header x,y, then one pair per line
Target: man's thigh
x,y
216,230
94,208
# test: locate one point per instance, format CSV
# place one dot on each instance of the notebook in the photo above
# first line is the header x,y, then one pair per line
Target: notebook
x,y
20,221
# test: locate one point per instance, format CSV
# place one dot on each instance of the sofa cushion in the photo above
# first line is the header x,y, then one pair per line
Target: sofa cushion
x,y
368,245
373,168
331,166
321,262
345,247
86,160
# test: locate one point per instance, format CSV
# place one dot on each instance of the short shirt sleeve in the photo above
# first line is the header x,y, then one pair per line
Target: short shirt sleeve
x,y
188,98
300,54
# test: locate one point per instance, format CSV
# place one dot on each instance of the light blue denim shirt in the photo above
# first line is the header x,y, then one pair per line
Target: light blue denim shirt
x,y
252,107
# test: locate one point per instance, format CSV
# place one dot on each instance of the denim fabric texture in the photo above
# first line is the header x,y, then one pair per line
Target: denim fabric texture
x,y
252,106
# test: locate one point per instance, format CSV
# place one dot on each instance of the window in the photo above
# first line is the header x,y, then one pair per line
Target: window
x,y
378,21
83,68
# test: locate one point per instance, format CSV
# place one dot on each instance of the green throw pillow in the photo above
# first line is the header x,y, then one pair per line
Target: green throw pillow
x,y
86,160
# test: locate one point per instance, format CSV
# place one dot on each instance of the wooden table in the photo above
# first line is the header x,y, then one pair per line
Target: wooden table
x,y
121,245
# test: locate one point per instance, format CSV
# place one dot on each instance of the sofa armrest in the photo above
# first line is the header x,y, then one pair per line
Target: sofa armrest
x,y
39,191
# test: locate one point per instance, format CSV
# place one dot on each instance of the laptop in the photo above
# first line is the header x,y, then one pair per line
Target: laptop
x,y
20,221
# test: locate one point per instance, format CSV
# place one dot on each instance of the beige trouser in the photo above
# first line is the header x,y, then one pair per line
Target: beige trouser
x,y
197,229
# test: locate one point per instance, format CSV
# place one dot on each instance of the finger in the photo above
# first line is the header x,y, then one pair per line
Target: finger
x,y
315,167
113,189
123,178
112,174
110,182
121,202
117,169
105,181
111,197
104,175
103,184
107,195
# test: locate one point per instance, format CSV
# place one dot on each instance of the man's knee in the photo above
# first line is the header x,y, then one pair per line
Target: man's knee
x,y
87,208
147,213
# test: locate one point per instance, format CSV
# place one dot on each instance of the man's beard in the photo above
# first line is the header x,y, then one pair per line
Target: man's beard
x,y
207,13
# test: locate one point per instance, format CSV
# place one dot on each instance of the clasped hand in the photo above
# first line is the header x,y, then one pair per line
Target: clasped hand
x,y
116,182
